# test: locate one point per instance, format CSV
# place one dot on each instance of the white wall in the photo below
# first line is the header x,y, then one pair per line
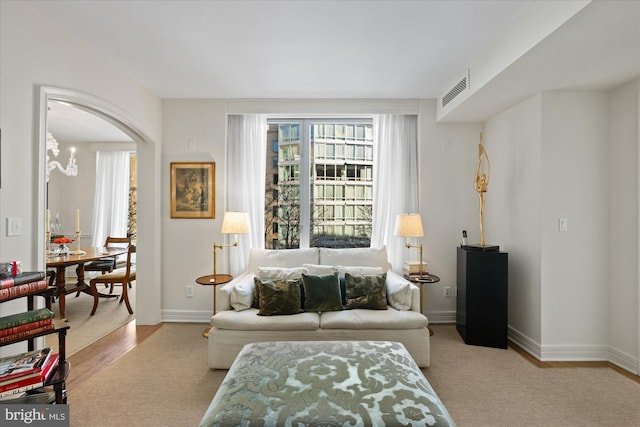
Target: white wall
x,y
574,263
445,149
573,295
187,248
448,202
35,52
68,193
512,213
624,218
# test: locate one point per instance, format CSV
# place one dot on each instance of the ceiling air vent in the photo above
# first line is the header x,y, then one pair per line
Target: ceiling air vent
x,y
460,87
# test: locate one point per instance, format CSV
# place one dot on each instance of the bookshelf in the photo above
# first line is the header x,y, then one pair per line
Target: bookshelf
x,y
58,380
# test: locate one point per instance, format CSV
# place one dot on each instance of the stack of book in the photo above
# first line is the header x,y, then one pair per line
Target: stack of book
x,y
26,371
412,268
26,324
22,284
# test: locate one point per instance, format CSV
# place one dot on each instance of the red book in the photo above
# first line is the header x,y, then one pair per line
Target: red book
x,y
6,283
21,385
24,289
26,334
50,367
25,327
24,364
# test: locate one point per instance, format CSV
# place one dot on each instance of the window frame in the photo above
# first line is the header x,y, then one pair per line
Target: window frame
x,y
305,176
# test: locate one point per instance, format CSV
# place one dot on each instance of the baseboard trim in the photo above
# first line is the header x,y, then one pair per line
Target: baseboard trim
x,y
441,317
186,316
624,360
572,353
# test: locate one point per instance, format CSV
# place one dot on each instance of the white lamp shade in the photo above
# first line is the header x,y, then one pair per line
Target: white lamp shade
x,y
409,225
235,223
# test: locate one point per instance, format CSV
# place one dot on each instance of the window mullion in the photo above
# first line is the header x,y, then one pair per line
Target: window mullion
x,y
305,185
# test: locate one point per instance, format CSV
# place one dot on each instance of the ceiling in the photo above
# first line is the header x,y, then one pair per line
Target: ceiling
x,y
341,49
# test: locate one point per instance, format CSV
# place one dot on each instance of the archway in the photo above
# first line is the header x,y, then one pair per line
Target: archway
x,y
148,259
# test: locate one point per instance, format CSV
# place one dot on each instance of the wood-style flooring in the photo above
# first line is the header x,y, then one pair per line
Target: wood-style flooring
x,y
92,359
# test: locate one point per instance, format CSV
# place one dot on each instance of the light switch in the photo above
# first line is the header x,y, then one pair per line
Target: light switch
x,y
14,227
563,224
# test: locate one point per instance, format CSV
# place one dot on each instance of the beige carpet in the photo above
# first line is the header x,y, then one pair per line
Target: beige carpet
x,y
86,329
165,382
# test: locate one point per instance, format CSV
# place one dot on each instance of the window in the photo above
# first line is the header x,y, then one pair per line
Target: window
x,y
322,186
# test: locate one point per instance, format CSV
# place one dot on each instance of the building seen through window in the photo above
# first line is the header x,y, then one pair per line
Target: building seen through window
x,y
319,190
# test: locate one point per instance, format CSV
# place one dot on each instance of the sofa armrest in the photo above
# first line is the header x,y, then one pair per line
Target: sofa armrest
x,y
223,293
415,297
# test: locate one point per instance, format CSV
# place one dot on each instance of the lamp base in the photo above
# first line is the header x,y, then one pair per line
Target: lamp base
x,y
481,248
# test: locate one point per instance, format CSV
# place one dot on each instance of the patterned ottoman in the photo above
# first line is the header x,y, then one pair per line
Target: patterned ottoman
x,y
325,383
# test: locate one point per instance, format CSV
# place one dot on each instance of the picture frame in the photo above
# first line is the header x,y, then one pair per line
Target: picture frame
x,y
193,189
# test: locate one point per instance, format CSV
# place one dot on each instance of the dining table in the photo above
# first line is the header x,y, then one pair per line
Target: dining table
x,y
60,262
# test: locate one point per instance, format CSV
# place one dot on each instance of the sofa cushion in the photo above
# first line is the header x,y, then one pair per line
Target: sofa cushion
x,y
357,269
398,291
275,273
242,293
278,297
280,273
372,319
366,291
321,293
318,269
370,257
248,320
281,258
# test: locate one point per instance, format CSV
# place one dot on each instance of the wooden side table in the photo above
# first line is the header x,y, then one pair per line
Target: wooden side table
x,y
213,280
425,279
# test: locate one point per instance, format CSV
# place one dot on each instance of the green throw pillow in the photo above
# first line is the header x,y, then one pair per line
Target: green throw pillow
x,y
321,293
366,291
279,297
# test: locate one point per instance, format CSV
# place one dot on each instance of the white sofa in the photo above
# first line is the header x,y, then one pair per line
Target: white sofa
x,y
236,324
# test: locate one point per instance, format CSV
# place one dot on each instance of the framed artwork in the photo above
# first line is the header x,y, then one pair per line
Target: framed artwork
x,y
193,189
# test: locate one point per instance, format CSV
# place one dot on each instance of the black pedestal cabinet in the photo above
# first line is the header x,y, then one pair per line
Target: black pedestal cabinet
x,y
481,302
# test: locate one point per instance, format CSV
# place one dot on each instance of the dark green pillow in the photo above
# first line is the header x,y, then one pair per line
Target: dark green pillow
x,y
279,297
343,290
366,291
321,293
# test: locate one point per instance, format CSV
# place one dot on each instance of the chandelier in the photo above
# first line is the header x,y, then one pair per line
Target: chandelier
x,y
72,167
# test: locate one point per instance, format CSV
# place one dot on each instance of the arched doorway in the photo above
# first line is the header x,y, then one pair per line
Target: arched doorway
x,y
148,259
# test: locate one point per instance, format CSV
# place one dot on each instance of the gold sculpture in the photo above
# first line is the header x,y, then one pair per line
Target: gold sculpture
x,y
482,183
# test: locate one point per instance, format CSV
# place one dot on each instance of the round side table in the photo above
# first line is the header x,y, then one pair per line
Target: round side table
x,y
213,280
425,279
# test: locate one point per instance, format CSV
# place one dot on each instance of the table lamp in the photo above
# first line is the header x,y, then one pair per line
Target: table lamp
x,y
410,225
233,223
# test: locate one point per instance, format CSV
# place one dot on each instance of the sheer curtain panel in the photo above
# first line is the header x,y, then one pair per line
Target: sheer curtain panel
x,y
395,182
247,150
111,199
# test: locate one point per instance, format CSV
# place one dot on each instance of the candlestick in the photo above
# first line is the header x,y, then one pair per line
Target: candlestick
x,y
48,222
78,251
77,220
47,247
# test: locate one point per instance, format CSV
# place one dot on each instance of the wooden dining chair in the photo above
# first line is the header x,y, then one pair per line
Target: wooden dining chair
x,y
107,265
124,275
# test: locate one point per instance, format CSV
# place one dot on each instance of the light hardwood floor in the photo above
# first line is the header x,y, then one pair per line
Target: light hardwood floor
x,y
94,358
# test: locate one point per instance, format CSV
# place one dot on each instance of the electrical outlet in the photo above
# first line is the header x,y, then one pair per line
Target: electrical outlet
x,y
188,291
447,292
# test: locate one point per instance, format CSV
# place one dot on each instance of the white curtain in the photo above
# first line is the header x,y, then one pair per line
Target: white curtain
x,y
395,182
247,150
111,198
